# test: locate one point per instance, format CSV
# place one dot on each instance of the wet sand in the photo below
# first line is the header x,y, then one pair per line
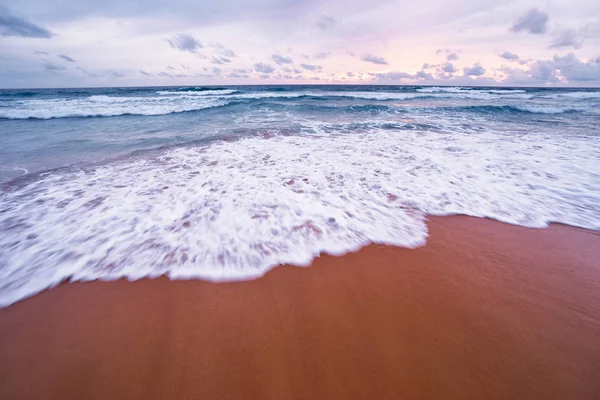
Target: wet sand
x,y
484,311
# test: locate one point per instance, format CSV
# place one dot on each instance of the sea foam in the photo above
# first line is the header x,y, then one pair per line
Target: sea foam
x,y
233,210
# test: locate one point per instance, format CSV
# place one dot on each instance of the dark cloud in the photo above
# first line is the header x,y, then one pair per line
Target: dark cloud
x,y
41,53
452,57
449,68
312,67
48,66
475,70
237,75
326,23
142,72
543,71
374,59
533,21
65,57
315,78
264,68
14,25
320,56
297,71
567,38
185,42
507,55
281,60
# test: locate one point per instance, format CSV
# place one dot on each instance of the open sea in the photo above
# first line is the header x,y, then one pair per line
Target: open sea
x,y
225,183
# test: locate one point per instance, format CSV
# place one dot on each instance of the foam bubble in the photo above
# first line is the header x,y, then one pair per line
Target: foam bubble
x,y
233,210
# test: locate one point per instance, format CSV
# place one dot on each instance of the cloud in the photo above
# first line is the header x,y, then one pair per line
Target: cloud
x,y
326,23
452,57
224,51
374,59
394,76
533,21
65,57
114,74
448,67
567,38
216,71
220,60
171,76
575,70
320,56
281,60
424,75
350,74
297,71
264,76
475,70
311,67
185,42
142,72
41,53
48,66
507,55
14,25
264,68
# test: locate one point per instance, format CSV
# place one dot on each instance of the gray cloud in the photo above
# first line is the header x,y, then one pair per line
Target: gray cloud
x,y
575,70
326,23
311,67
281,60
448,67
185,42
237,75
220,60
222,50
48,66
394,76
424,75
507,55
475,70
41,53
65,57
452,57
533,21
142,72
14,25
374,59
297,71
172,76
567,38
114,74
320,56
216,71
350,74
264,68
264,76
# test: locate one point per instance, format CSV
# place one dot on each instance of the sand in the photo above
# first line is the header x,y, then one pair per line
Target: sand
x,y
484,311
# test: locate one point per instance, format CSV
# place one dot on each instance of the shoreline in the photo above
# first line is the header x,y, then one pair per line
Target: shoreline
x,y
484,310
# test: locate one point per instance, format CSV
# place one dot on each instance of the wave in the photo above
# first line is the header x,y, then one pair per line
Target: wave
x,y
454,89
533,109
107,106
232,210
215,92
576,95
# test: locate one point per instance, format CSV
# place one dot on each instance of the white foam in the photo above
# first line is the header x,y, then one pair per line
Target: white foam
x,y
575,95
106,106
216,92
233,210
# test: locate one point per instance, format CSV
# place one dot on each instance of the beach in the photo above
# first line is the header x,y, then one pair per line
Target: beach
x,y
484,310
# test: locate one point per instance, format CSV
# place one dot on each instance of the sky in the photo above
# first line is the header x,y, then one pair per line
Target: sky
x,y
84,43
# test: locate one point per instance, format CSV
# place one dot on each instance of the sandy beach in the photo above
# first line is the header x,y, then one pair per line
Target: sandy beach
x,y
485,310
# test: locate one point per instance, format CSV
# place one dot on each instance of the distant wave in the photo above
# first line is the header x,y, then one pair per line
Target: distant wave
x,y
194,92
534,109
107,106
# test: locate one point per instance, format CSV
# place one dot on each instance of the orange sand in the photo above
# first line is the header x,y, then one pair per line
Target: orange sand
x,y
484,311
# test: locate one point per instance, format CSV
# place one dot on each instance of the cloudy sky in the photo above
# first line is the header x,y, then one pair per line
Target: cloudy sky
x,y
71,43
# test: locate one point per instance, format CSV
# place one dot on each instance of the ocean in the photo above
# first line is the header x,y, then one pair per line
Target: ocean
x,y
225,183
